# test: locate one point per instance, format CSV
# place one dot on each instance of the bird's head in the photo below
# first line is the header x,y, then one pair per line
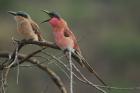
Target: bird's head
x,y
20,15
55,19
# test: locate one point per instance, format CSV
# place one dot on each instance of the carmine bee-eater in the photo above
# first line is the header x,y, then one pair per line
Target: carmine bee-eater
x,y
26,27
65,40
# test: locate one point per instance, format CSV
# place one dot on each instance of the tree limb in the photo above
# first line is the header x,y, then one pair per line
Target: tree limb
x,y
56,79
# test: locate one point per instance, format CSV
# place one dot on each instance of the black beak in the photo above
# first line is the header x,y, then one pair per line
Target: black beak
x,y
13,13
45,21
47,12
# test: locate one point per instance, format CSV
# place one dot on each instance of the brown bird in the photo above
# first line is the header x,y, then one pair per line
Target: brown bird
x,y
26,27
66,40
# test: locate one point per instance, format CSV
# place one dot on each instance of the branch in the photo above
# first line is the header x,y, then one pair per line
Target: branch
x,y
86,81
44,43
39,43
52,74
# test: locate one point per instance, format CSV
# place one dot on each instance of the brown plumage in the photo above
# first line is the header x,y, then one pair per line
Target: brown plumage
x,y
35,28
26,27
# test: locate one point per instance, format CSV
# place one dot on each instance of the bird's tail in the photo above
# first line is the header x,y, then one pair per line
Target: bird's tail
x,y
80,59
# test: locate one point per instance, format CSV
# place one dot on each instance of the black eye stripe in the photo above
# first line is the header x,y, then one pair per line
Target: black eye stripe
x,y
54,15
23,15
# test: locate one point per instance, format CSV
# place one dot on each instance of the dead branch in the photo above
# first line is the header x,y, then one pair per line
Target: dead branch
x,y
82,79
39,43
28,58
44,43
85,80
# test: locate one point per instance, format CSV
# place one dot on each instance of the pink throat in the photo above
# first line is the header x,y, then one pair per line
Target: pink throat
x,y
54,21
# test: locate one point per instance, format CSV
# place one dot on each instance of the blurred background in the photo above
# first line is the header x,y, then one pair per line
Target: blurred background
x,y
109,36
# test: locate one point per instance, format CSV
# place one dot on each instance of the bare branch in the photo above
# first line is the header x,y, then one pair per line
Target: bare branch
x,y
39,43
52,74
85,79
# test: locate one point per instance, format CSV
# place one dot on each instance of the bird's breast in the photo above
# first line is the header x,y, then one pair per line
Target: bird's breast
x,y
62,41
26,31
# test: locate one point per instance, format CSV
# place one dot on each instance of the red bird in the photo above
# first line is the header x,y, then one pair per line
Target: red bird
x,y
66,40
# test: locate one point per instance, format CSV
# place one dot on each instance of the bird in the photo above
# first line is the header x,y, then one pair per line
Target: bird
x,y
26,27
66,40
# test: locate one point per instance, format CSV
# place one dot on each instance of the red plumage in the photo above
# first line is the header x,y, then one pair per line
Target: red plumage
x,y
64,38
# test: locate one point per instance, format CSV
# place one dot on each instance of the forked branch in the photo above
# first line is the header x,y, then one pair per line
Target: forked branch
x,y
56,79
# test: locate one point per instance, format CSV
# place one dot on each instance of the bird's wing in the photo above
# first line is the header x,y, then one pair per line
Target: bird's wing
x,y
35,28
79,58
69,33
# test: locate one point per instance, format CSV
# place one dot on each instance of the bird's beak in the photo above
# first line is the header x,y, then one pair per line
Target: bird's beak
x,y
13,13
45,21
47,12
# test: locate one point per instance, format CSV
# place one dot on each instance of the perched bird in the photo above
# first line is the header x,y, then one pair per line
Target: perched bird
x,y
26,27
66,40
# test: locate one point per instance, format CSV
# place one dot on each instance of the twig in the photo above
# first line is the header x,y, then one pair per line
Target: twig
x,y
39,43
52,45
87,81
62,63
71,72
13,60
31,60
57,60
62,70
3,83
108,87
52,74
84,81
